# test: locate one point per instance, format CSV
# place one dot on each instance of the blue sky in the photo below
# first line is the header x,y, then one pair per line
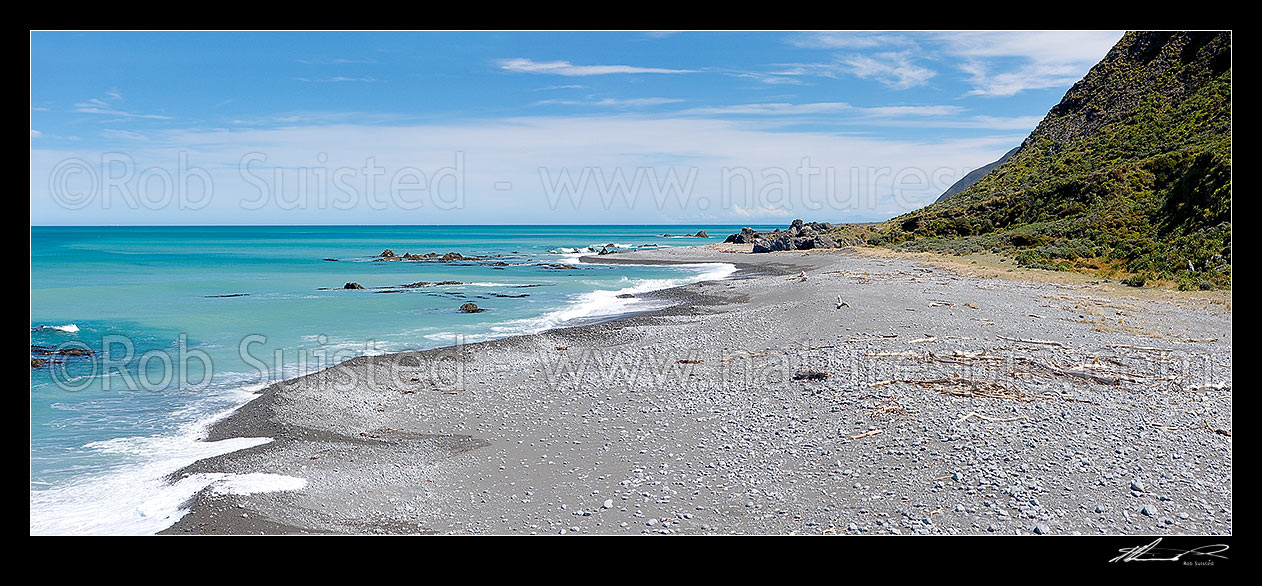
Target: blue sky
x,y
527,127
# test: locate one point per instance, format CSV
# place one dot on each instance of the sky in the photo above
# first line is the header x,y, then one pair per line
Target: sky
x,y
658,127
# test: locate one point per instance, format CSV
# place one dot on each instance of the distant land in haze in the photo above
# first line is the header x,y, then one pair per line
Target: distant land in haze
x,y
973,176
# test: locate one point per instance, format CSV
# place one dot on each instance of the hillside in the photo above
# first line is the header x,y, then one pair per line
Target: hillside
x,y
1128,176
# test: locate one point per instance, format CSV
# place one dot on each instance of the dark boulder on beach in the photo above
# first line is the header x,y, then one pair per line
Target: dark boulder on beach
x,y
471,308
799,236
352,286
626,296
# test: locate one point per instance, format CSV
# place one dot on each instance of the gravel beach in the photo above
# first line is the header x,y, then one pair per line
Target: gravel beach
x,y
829,392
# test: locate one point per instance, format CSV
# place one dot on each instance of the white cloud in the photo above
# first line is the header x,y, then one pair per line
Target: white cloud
x,y
1008,63
762,212
36,133
568,69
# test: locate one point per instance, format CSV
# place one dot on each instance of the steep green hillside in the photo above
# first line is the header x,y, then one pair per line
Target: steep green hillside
x,y
1130,173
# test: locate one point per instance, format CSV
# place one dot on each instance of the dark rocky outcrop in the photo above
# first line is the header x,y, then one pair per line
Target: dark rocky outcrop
x,y
745,236
55,354
799,236
419,284
352,286
389,255
70,351
471,307
699,234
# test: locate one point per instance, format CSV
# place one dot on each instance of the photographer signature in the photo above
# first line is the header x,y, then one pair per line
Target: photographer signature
x,y
1150,553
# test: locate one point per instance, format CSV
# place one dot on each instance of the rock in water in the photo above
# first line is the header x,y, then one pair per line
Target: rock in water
x,y
701,234
471,308
352,286
387,253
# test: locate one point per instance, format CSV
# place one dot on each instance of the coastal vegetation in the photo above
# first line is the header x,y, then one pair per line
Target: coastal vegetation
x,y
1129,176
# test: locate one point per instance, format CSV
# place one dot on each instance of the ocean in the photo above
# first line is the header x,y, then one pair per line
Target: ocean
x,y
185,323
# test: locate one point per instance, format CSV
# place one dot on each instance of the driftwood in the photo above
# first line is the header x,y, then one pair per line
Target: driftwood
x,y
864,434
1226,432
1045,342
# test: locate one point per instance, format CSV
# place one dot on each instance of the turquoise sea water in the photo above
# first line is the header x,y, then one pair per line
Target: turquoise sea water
x,y
150,303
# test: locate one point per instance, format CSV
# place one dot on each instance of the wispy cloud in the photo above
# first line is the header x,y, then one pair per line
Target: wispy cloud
x,y
1008,63
779,109
783,109
769,79
847,40
615,102
36,133
894,69
99,106
124,135
336,79
569,69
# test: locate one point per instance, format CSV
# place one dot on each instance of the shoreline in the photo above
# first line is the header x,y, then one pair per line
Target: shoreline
x,y
421,458
208,506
